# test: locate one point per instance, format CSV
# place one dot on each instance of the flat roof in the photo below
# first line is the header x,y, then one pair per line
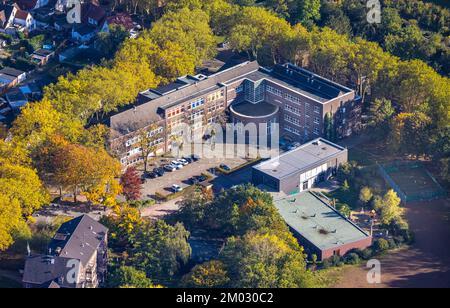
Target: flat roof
x,y
299,80
300,159
11,71
249,109
318,222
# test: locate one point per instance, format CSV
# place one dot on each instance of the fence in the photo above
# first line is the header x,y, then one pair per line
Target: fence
x,y
407,192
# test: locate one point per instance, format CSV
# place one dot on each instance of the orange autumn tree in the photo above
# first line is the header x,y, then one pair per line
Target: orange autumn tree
x,y
90,171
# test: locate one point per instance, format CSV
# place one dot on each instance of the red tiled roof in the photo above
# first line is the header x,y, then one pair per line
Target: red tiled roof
x,y
22,14
26,4
89,10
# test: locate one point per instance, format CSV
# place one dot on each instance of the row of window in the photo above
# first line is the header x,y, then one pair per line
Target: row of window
x,y
293,130
197,103
139,149
291,120
136,139
292,109
297,131
216,96
274,91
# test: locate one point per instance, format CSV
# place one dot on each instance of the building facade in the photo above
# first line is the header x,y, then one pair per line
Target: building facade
x,y
302,168
303,104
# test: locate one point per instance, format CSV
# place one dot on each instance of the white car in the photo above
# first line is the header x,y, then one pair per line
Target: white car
x,y
183,161
177,164
170,168
176,188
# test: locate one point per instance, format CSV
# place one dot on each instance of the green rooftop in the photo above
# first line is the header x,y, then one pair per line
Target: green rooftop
x,y
317,221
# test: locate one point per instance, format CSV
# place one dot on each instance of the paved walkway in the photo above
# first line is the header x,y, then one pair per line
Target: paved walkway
x,y
159,210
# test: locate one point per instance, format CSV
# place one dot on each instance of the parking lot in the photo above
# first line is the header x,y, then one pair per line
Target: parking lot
x,y
162,185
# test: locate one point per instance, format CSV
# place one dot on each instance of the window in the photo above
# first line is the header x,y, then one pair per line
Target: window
x,y
292,109
197,103
292,99
316,120
316,131
274,91
316,109
292,130
291,120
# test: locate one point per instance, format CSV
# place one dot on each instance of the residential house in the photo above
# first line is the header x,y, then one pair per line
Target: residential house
x,y
28,5
16,99
77,257
10,77
13,19
25,20
92,21
42,56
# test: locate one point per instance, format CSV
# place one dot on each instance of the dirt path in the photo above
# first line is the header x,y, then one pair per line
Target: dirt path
x,y
425,264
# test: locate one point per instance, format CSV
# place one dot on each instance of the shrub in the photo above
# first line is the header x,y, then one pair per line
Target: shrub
x,y
392,244
381,245
352,258
333,261
366,254
139,204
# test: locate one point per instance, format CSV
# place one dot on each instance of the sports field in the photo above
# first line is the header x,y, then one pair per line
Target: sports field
x,y
412,181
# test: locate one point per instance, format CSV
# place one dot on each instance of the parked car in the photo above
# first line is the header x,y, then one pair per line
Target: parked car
x,y
159,171
170,168
183,161
201,178
225,167
152,175
188,159
177,164
195,157
176,188
194,180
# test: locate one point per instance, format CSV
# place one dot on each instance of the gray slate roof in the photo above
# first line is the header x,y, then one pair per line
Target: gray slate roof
x,y
46,271
78,238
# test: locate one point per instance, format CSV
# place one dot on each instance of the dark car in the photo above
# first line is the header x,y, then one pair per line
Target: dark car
x,y
201,178
195,157
194,180
225,167
152,175
159,171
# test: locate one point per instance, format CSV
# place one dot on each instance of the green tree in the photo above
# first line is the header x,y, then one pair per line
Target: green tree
x,y
308,11
264,261
189,29
365,195
159,249
388,207
127,276
211,274
10,217
380,112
